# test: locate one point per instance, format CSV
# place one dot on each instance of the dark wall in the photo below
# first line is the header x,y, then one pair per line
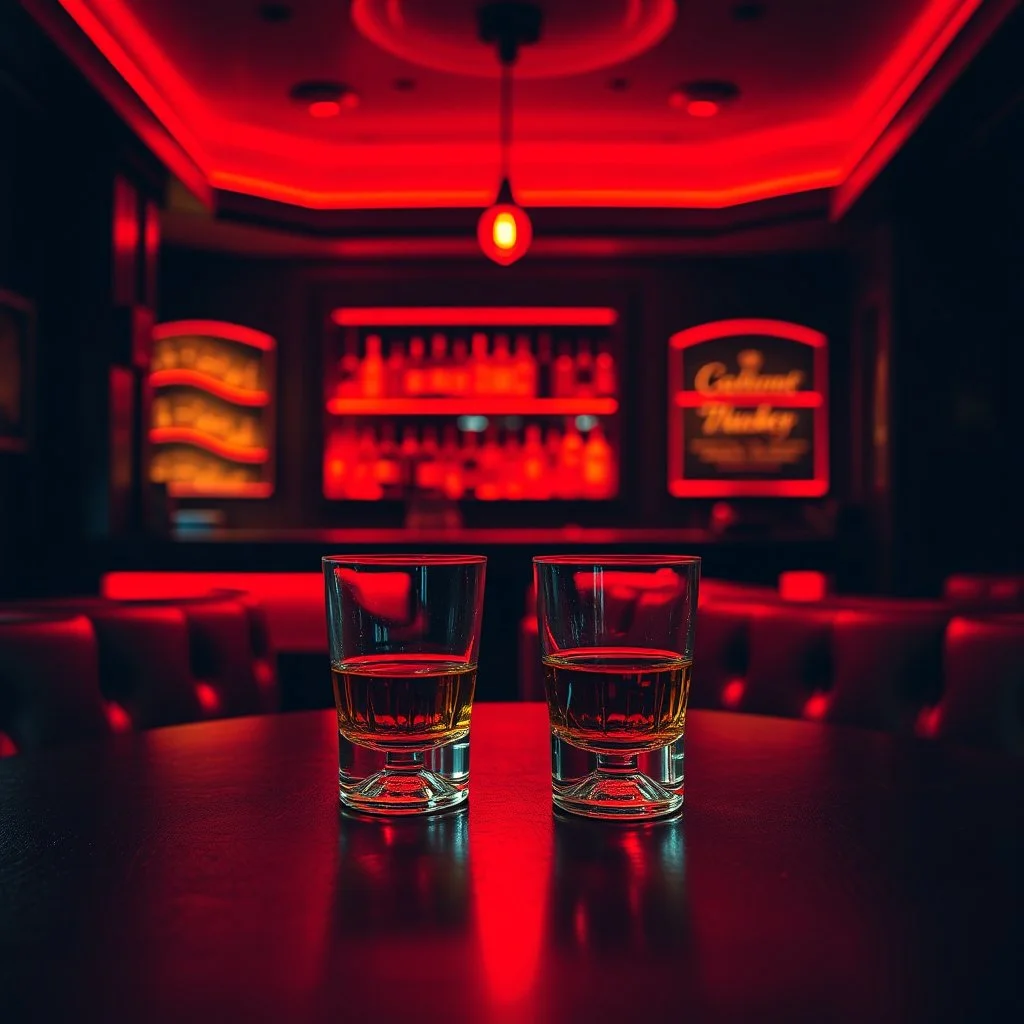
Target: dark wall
x,y
958,433
291,300
60,149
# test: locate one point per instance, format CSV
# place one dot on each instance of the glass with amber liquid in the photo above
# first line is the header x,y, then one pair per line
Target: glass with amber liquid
x,y
616,638
404,635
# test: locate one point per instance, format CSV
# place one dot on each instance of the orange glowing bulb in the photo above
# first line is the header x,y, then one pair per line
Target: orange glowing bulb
x,y
504,231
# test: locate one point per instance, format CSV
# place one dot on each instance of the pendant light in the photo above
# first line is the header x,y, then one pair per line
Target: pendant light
x,y
504,230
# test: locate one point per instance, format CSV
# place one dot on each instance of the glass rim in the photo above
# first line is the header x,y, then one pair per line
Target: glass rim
x,y
598,560
405,561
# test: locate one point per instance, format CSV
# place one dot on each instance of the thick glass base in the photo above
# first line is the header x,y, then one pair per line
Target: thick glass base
x,y
624,787
410,782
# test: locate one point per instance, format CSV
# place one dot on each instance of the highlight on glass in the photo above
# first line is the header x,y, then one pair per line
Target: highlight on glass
x,y
404,638
616,641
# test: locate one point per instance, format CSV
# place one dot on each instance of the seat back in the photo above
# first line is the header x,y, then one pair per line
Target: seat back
x,y
220,647
144,662
791,661
982,702
887,666
49,682
721,656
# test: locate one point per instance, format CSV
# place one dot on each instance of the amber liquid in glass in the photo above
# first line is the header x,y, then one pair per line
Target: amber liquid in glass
x,y
403,702
617,699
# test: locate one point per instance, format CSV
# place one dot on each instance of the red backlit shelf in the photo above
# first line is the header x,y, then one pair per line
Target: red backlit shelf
x,y
475,316
199,439
484,405
203,381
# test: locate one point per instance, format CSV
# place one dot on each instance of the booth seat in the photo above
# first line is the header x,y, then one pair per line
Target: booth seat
x,y
50,682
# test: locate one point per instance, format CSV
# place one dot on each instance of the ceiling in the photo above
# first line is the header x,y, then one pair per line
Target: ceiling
x,y
820,82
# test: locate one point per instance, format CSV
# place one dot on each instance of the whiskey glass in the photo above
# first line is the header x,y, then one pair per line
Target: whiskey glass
x,y
404,638
616,643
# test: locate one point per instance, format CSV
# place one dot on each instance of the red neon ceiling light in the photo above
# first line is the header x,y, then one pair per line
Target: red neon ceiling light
x,y
246,157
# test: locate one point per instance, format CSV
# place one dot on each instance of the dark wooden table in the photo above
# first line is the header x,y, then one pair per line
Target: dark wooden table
x,y
202,873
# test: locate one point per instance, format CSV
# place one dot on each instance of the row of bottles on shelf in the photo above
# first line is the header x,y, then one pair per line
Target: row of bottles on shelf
x,y
224,362
199,471
373,463
478,367
192,411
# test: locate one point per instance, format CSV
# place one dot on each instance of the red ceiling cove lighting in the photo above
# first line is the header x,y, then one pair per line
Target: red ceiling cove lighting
x,y
878,66
504,229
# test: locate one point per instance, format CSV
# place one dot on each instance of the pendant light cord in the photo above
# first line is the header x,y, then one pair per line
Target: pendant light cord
x,y
506,117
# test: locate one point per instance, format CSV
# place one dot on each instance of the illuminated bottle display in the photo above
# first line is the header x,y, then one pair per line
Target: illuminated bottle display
x,y
464,411
211,431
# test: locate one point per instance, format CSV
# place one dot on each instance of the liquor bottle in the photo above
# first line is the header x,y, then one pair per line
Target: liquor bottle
x,y
339,463
584,370
387,471
428,469
482,376
524,368
503,379
598,466
365,485
462,378
410,448
348,371
438,372
415,381
469,455
395,370
450,459
162,413
536,478
604,373
544,381
371,370
564,380
570,463
488,486
512,486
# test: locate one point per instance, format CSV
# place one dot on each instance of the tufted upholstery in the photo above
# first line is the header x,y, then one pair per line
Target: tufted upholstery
x,y
993,591
49,682
221,655
887,664
144,662
982,702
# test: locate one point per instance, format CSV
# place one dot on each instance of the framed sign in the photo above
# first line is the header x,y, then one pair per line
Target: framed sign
x,y
16,327
748,410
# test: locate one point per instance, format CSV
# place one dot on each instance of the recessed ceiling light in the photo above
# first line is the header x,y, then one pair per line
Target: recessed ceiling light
x,y
703,98
404,84
618,84
702,108
324,108
275,13
748,11
325,99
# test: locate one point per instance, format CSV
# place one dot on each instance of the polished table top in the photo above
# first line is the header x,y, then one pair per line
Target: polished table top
x,y
203,873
